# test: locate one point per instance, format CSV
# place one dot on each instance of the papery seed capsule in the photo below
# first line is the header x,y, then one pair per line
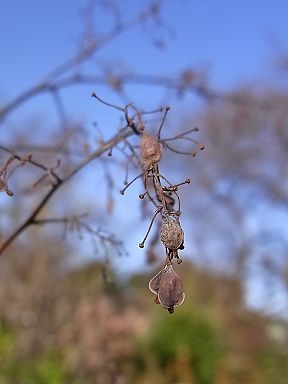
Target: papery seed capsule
x,y
172,235
154,283
170,292
150,149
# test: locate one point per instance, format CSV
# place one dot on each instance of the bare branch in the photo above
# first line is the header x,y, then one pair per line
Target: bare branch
x,y
30,220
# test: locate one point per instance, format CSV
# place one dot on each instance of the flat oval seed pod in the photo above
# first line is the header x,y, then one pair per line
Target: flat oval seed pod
x,y
170,292
154,283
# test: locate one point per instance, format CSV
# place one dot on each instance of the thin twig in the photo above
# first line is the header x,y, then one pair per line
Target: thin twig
x,y
93,94
29,159
162,123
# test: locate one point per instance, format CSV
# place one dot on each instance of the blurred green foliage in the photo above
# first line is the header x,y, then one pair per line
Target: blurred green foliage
x,y
274,364
45,369
80,332
188,335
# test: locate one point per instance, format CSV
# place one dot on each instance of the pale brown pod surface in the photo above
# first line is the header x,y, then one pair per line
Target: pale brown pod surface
x,y
154,283
150,148
172,235
171,290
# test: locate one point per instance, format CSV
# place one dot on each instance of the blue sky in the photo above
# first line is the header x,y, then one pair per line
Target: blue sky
x,y
232,38
234,41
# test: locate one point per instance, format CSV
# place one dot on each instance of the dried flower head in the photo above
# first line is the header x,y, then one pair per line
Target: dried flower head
x,y
172,235
150,148
168,287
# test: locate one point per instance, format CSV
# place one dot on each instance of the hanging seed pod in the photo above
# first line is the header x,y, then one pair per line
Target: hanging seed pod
x,y
170,292
150,149
154,283
172,235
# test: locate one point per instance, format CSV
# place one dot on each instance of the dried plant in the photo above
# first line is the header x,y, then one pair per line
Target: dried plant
x,y
160,192
145,155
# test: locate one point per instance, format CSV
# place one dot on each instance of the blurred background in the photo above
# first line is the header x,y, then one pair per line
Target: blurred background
x,y
74,300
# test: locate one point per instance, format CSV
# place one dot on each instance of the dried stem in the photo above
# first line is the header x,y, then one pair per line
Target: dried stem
x,y
162,123
142,244
131,182
108,104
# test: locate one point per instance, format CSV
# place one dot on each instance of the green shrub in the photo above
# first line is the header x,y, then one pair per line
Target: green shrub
x,y
196,337
46,369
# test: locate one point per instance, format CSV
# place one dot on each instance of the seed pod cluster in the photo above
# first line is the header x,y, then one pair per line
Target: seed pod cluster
x,y
160,192
150,148
168,287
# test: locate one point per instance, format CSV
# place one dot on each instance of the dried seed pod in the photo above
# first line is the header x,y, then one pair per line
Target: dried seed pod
x,y
170,292
172,235
150,148
154,283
